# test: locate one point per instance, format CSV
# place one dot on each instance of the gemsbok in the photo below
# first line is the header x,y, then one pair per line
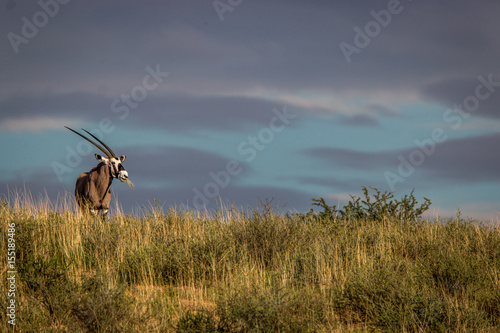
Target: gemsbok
x,y
92,189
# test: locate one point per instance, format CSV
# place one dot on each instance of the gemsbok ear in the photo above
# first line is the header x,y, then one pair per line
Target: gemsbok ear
x,y
122,158
101,158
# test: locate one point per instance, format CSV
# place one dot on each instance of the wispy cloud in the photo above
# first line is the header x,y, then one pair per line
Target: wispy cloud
x,y
36,124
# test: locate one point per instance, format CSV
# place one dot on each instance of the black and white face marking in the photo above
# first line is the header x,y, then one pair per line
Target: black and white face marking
x,y
115,166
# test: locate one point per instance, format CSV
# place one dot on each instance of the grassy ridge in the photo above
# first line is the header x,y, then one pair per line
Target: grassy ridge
x,y
260,271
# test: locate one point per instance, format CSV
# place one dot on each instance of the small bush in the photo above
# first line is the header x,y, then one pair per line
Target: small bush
x,y
196,322
389,302
270,310
379,207
101,309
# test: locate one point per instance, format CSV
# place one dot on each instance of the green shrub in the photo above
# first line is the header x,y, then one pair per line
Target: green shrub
x,y
102,309
88,305
388,301
196,322
371,209
273,309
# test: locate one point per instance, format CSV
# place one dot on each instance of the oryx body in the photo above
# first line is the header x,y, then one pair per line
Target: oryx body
x,y
92,189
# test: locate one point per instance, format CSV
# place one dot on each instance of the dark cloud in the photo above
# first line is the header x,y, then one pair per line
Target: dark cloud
x,y
89,44
73,105
465,160
253,196
295,46
35,188
179,113
336,185
241,197
381,110
173,113
165,165
359,120
464,93
350,158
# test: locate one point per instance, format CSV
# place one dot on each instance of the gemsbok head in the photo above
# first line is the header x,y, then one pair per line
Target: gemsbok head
x,y
92,189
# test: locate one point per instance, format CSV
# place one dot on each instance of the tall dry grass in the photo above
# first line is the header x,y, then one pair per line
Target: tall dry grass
x,y
246,271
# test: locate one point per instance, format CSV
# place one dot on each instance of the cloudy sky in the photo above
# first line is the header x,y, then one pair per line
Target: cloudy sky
x,y
242,101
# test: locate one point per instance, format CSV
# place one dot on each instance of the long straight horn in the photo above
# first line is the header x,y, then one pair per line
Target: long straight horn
x,y
92,142
109,149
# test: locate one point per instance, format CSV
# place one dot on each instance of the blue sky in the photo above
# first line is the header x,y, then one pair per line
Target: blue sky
x,y
243,101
